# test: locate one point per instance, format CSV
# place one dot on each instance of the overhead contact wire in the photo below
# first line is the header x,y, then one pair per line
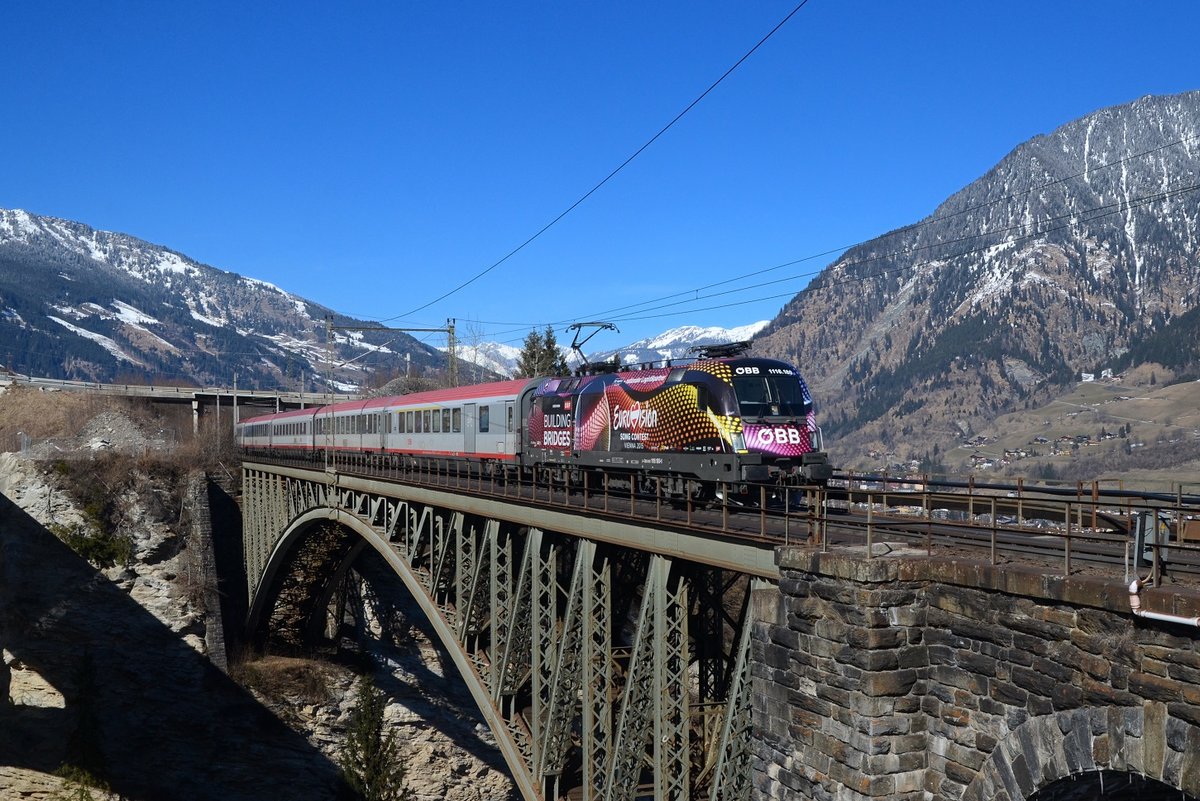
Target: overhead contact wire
x,y
608,177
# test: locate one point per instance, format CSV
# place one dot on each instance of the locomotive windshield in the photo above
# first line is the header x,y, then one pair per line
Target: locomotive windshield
x,y
771,396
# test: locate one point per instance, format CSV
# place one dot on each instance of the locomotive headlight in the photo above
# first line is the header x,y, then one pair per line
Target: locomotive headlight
x,y
739,443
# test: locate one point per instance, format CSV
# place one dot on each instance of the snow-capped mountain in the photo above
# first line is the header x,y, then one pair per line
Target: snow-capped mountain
x,y
677,343
86,304
1077,252
495,357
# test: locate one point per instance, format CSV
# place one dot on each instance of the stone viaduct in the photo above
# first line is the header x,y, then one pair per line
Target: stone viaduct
x,y
904,677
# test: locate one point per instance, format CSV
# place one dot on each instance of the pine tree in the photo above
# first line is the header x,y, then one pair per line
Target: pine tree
x,y
556,362
528,363
370,763
540,356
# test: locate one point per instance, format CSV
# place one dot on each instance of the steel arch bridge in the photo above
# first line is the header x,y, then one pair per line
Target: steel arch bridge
x,y
608,656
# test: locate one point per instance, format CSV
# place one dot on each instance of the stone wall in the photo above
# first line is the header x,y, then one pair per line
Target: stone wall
x,y
202,565
904,677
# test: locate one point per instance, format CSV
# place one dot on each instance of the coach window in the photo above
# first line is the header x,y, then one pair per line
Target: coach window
x,y
446,420
437,422
409,425
428,415
456,421
483,419
510,419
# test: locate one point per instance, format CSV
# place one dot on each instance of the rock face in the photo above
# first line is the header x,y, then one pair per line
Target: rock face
x,y
142,704
1076,248
449,750
126,648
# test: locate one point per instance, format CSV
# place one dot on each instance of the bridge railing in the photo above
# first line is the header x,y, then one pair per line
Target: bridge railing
x,y
1092,529
1088,528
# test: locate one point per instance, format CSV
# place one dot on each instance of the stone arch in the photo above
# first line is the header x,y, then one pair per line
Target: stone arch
x,y
1145,740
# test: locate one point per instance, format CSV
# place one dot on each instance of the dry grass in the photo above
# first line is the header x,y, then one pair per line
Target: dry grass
x,y
42,415
279,678
1164,418
64,416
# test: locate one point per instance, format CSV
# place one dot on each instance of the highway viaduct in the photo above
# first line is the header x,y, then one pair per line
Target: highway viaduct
x,y
619,651
227,402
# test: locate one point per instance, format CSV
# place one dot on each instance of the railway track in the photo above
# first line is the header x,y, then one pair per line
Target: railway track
x,y
1086,529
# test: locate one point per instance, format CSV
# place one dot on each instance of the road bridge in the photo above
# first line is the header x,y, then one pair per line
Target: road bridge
x,y
763,648
230,401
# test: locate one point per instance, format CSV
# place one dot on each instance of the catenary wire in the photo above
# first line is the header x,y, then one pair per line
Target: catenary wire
x,y
608,177
1075,217
831,251
1105,211
908,228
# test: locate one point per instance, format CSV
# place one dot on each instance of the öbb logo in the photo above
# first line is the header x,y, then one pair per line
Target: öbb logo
x,y
779,435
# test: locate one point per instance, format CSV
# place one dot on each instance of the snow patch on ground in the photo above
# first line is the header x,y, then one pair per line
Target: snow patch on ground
x,y
129,314
99,339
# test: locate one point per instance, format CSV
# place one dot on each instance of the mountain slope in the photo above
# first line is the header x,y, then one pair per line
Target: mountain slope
x,y
86,304
1076,247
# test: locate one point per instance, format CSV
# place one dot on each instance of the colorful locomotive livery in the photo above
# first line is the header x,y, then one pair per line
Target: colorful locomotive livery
x,y
728,419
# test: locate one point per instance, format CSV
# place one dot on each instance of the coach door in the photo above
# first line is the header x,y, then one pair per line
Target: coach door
x,y
510,428
470,426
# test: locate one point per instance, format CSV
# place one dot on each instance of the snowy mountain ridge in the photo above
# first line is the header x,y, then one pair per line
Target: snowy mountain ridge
x,y
673,344
80,303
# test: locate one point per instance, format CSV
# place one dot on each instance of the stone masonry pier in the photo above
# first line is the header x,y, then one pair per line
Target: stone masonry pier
x,y
904,677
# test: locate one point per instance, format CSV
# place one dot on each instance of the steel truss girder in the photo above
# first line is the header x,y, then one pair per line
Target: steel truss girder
x,y
588,698
731,780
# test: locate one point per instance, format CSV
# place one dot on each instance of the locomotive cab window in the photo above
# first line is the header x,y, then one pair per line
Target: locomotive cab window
x,y
769,396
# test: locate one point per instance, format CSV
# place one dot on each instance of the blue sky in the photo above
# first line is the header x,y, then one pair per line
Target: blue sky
x,y
372,156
